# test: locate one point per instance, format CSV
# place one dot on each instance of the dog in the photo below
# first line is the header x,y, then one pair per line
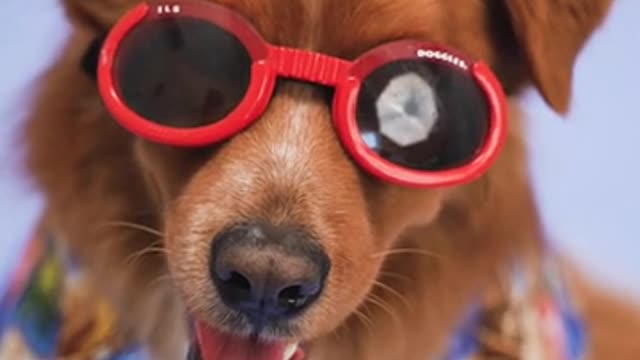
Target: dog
x,y
393,268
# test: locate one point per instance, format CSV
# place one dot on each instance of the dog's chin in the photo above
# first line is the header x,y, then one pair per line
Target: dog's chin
x,y
215,344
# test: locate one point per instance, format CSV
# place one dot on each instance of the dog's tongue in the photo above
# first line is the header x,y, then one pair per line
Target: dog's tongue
x,y
215,345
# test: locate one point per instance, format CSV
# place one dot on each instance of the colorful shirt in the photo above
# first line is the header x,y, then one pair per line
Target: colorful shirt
x,y
535,319
51,312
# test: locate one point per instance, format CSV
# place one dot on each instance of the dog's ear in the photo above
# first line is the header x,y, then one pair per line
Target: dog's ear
x,y
99,15
550,34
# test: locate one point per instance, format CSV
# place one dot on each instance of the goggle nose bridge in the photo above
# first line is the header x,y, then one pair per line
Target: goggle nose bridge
x,y
308,66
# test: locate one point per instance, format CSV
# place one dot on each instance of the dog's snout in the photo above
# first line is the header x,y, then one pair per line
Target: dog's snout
x,y
268,273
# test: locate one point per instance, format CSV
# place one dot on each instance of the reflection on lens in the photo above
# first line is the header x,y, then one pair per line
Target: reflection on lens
x,y
182,72
422,115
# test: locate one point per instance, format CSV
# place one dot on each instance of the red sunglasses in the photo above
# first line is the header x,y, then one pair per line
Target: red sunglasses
x,y
193,73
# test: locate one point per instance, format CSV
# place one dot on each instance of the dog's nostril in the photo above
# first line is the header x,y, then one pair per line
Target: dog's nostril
x,y
238,281
224,274
267,273
296,297
235,285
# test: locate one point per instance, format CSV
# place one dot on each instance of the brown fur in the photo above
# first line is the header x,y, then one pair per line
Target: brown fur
x,y
381,301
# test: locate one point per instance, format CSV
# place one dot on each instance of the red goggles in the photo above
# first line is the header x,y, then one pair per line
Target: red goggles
x,y
194,73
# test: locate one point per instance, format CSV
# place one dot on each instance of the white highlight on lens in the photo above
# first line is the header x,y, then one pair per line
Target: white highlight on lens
x,y
407,109
371,139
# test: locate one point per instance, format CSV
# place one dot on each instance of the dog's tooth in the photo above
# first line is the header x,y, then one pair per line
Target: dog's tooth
x,y
290,351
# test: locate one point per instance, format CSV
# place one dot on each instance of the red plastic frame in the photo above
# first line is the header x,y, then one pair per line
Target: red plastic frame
x,y
271,62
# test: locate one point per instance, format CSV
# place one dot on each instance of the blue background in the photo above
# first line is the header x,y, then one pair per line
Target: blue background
x,y
585,168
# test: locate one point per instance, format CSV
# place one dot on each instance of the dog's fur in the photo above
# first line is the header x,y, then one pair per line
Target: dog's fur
x,y
382,301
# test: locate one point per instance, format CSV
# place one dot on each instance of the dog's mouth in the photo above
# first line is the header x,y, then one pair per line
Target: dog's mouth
x,y
216,345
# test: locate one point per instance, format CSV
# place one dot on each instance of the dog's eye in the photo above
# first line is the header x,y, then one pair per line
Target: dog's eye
x,y
422,115
182,72
327,95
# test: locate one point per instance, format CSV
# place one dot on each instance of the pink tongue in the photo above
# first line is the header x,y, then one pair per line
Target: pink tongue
x,y
215,345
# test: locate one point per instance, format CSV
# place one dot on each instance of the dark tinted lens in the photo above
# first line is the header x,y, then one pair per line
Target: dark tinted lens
x,y
182,72
422,115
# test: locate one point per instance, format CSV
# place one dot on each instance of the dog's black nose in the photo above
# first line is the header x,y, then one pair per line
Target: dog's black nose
x,y
268,273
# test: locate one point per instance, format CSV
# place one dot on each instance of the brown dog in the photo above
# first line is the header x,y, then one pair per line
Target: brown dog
x,y
404,263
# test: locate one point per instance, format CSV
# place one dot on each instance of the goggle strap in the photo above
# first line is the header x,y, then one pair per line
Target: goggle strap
x,y
89,61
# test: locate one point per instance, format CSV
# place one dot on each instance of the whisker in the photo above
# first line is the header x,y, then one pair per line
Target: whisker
x,y
394,292
153,249
406,251
378,301
364,320
131,225
394,275
337,335
160,280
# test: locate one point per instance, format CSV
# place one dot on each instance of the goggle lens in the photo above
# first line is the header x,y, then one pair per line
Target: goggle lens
x,y
423,115
181,71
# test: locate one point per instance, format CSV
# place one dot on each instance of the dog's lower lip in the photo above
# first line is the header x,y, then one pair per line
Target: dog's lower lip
x,y
213,344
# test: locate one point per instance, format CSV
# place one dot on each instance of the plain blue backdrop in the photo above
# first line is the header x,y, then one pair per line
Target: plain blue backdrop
x,y
586,168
